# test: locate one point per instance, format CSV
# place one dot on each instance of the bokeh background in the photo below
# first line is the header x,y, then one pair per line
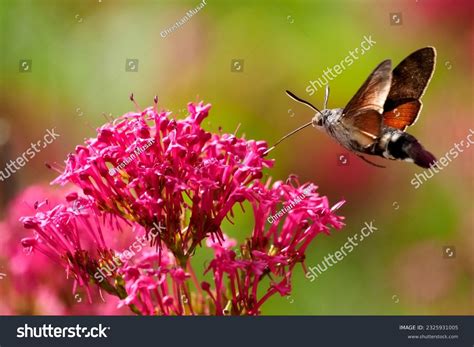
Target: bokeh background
x,y
78,51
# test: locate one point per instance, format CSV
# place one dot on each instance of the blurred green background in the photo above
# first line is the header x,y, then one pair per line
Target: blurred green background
x,y
78,51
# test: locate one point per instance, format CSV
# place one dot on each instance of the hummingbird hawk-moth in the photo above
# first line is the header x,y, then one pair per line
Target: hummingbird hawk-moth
x,y
375,119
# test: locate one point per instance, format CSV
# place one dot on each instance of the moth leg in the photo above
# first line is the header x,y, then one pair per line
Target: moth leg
x,y
371,163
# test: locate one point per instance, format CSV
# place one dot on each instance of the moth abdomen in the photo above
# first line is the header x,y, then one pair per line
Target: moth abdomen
x,y
396,144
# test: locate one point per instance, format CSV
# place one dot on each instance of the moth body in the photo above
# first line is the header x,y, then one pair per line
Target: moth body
x,y
392,143
329,121
375,119
398,145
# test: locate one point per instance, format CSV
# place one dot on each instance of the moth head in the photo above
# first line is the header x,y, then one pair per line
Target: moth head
x,y
320,116
318,120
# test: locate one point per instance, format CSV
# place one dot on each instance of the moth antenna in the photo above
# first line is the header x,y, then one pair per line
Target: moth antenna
x,y
307,103
371,163
132,99
288,135
326,97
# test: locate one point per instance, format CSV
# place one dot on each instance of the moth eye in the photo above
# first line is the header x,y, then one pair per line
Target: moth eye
x,y
320,122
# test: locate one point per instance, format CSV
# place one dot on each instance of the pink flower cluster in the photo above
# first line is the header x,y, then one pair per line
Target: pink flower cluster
x,y
190,181
31,285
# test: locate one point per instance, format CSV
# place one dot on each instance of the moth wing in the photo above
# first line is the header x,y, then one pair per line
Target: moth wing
x,y
363,113
403,115
409,81
366,127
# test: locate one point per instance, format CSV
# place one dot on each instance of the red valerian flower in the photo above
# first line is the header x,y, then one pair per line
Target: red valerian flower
x,y
33,290
73,238
273,249
146,169
157,285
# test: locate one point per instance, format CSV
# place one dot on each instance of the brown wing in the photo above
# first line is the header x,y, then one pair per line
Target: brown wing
x,y
366,127
409,81
364,112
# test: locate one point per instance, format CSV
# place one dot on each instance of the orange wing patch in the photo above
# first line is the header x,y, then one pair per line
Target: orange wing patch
x,y
403,115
